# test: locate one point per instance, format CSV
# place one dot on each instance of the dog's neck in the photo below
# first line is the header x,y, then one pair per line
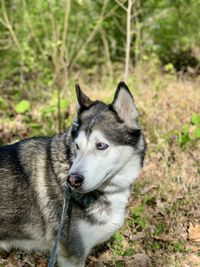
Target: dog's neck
x,y
84,201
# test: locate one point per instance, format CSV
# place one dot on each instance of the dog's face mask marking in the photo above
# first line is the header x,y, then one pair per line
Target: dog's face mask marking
x,y
106,139
97,159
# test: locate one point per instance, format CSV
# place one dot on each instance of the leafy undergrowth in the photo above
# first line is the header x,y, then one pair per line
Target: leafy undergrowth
x,y
162,227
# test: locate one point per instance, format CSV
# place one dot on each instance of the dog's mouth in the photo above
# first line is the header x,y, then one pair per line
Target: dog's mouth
x,y
106,177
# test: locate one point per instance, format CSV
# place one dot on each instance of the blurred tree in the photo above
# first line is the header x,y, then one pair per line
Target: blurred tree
x,y
43,42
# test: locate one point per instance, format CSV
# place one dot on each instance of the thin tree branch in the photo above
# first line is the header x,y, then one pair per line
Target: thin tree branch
x,y
128,40
93,33
32,31
65,29
8,25
54,38
107,52
121,5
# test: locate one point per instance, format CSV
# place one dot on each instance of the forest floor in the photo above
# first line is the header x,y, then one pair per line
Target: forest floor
x,y
162,227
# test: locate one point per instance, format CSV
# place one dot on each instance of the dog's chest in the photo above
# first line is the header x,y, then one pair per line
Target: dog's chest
x,y
107,222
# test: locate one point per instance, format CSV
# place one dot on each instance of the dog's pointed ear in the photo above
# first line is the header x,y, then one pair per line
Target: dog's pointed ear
x,y
124,105
83,100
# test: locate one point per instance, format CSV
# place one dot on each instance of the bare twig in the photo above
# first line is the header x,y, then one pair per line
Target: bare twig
x,y
128,40
7,24
65,29
32,31
61,66
137,10
54,38
107,52
76,42
93,32
121,5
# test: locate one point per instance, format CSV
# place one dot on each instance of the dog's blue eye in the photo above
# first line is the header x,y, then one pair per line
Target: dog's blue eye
x,y
101,146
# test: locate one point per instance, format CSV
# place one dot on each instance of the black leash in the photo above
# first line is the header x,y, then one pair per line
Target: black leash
x,y
67,196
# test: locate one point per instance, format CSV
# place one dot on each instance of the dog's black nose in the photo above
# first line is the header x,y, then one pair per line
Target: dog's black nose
x,y
75,180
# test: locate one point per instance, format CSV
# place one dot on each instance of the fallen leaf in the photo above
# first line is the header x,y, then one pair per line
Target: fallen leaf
x,y
194,232
192,260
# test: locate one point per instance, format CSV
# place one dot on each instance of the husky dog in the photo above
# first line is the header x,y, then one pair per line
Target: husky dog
x,y
99,156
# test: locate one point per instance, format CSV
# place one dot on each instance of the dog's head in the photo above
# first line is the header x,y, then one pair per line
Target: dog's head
x,y
108,142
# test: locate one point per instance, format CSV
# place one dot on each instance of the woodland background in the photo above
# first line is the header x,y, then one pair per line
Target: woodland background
x,y
48,46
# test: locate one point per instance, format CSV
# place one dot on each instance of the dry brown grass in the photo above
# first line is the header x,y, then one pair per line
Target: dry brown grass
x,y
172,174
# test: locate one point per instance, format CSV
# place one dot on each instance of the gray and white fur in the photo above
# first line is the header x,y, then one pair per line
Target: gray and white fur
x,y
104,146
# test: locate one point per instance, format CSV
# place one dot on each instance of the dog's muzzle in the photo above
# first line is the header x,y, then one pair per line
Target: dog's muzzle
x,y
75,180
